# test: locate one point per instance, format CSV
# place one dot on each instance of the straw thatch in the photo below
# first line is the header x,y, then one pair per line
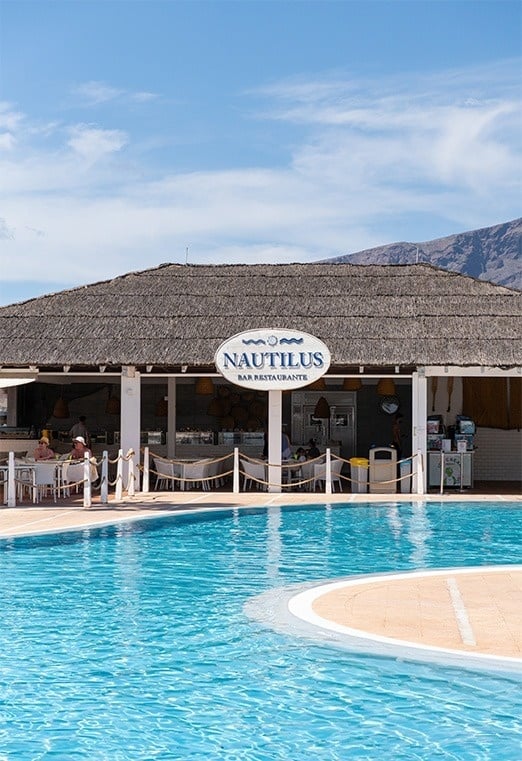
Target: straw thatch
x,y
175,315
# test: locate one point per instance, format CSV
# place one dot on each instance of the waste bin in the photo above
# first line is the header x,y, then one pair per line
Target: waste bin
x,y
383,470
359,474
405,470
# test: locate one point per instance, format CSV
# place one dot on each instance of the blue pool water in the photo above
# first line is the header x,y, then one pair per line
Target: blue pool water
x,y
132,644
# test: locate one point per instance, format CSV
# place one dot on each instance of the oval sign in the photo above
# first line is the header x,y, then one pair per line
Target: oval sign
x,y
272,359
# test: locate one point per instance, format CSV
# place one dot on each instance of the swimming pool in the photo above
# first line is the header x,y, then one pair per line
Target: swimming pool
x,y
131,643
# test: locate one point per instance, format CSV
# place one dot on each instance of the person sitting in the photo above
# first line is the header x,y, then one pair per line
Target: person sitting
x,y
43,451
313,450
79,449
286,447
300,454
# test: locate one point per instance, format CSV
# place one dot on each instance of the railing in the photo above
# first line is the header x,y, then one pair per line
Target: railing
x,y
175,476
215,472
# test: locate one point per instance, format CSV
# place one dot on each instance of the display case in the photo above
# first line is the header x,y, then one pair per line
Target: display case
x,y
242,439
458,469
194,438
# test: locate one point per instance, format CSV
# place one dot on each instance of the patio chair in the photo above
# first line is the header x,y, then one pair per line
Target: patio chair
x,y
164,475
335,478
45,480
196,474
254,473
73,473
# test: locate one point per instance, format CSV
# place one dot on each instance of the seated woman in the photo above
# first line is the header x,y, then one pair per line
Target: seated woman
x,y
312,451
43,451
79,449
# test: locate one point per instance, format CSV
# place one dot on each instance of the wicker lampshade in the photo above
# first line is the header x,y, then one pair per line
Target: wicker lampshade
x,y
204,386
215,408
318,385
322,408
112,407
61,408
162,408
386,387
352,384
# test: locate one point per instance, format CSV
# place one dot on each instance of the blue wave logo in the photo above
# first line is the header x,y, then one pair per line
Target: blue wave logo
x,y
291,340
257,342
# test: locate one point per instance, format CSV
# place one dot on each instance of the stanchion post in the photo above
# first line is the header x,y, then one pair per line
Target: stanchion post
x,y
145,487
131,485
11,486
420,472
87,497
119,477
104,486
235,484
328,474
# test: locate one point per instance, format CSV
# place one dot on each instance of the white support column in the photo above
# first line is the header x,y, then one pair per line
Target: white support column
x,y
275,427
419,400
130,413
171,418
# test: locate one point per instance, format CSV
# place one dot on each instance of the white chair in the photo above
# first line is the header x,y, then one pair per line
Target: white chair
x,y
24,478
164,475
335,477
215,468
45,479
194,473
73,472
254,473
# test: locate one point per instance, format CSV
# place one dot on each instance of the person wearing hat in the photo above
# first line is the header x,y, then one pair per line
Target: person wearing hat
x,y
79,448
43,451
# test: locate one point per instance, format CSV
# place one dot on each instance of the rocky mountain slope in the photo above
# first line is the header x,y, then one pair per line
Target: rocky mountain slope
x,y
491,253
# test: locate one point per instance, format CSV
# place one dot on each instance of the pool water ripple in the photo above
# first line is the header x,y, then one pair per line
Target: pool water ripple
x,y
132,643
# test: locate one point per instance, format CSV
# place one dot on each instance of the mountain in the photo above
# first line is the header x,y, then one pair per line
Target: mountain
x,y
491,253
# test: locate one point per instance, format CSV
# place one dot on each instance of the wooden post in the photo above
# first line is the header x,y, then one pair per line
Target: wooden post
x,y
131,488
11,486
119,477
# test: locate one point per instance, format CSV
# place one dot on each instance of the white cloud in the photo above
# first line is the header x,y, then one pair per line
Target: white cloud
x,y
92,93
445,147
93,143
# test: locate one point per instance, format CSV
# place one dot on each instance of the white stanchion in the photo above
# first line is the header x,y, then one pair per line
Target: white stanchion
x,y
420,472
11,485
104,486
235,480
146,471
131,484
118,491
328,473
87,494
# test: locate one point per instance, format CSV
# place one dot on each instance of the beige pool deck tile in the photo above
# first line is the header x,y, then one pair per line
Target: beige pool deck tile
x,y
418,610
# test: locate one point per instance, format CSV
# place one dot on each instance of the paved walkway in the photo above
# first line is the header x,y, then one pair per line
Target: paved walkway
x,y
474,612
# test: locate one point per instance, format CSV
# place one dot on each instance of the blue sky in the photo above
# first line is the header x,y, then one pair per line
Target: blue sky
x,y
134,133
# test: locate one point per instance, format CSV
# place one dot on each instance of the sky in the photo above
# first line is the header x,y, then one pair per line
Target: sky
x,y
139,132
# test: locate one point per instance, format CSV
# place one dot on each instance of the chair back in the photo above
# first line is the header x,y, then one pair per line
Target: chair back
x,y
44,473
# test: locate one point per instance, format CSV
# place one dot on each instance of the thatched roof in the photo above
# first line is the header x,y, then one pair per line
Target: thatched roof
x,y
174,315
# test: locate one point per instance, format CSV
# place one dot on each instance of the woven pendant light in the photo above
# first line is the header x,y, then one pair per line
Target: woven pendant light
x,y
322,409
352,384
61,408
112,406
204,386
386,387
215,408
162,408
318,385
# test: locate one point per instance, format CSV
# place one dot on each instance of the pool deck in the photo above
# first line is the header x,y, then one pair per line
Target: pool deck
x,y
471,611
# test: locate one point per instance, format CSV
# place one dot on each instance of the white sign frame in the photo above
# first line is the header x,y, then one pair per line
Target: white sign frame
x,y
272,359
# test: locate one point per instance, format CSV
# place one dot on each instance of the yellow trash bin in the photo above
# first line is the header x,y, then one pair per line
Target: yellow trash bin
x,y
359,474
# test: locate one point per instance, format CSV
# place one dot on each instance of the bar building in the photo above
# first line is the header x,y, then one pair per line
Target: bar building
x,y
135,355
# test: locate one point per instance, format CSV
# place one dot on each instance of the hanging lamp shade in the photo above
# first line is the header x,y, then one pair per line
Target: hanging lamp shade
x,y
215,408
204,386
322,409
162,408
386,387
352,384
112,407
318,385
61,408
